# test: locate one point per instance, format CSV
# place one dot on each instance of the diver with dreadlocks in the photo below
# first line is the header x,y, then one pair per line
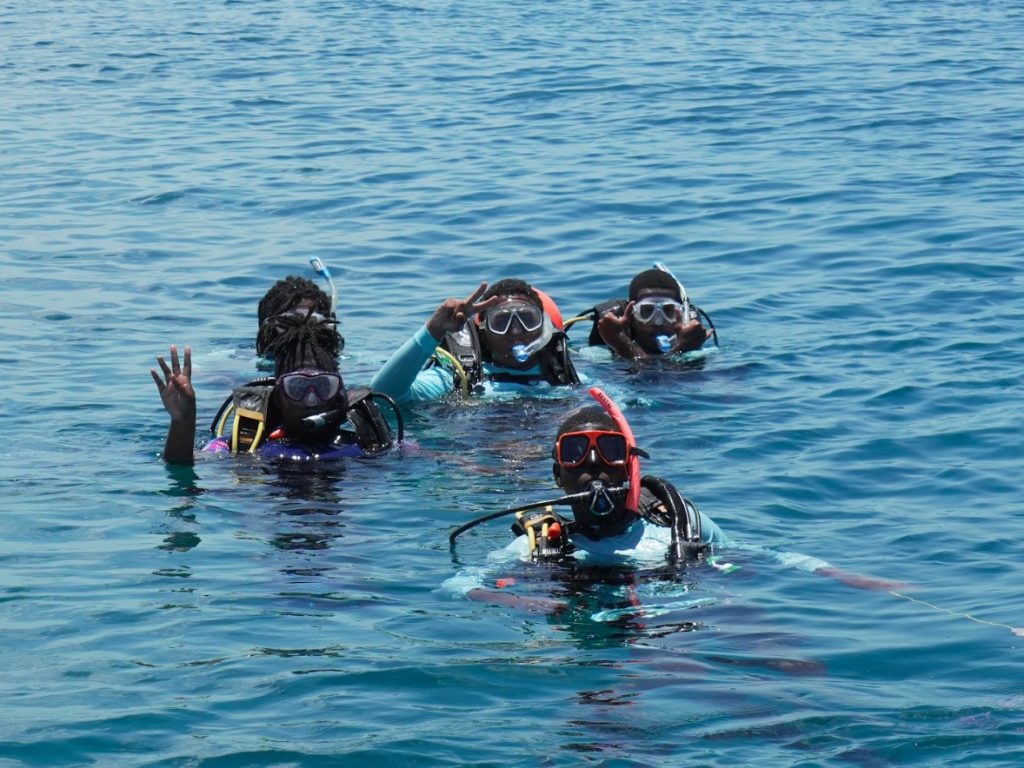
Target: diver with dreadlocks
x,y
303,411
656,319
505,338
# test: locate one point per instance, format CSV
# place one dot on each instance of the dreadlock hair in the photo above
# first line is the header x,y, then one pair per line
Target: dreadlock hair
x,y
654,278
296,342
511,286
285,294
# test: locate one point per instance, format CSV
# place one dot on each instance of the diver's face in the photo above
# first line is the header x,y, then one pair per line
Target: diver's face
x,y
576,475
662,313
307,393
512,322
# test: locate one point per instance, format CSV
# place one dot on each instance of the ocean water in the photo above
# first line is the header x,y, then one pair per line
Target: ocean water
x,y
837,184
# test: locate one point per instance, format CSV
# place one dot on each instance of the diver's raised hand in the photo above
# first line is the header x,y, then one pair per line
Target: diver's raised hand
x,y
689,336
615,331
175,386
453,313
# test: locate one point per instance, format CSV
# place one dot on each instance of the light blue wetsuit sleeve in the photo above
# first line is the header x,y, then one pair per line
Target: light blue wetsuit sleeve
x,y
710,533
482,577
403,377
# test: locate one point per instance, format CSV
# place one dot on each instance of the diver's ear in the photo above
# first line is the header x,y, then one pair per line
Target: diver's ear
x,y
557,472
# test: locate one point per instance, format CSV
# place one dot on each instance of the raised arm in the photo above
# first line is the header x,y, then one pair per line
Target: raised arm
x,y
175,386
397,375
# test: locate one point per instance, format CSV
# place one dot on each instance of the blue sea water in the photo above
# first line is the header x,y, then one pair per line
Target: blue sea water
x,y
838,184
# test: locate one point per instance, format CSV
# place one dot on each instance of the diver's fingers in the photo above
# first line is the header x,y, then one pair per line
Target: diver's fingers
x,y
164,368
188,362
175,363
476,294
159,382
484,305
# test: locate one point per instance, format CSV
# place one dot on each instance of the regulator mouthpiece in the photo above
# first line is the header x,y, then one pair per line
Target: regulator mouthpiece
x,y
665,343
523,352
600,502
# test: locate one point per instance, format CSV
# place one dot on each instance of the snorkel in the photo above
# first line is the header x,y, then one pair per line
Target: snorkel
x,y
523,352
682,292
321,269
633,462
667,342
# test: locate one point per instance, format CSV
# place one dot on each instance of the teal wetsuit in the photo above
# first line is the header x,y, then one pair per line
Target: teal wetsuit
x,y
404,378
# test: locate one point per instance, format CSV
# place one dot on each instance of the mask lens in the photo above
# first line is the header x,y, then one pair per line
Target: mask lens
x,y
648,311
530,317
297,385
644,311
612,448
670,311
573,449
499,319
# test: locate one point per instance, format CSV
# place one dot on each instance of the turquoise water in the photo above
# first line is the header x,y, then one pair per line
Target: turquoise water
x,y
838,184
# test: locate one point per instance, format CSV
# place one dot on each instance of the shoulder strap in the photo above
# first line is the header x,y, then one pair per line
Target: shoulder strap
x,y
226,410
464,346
250,405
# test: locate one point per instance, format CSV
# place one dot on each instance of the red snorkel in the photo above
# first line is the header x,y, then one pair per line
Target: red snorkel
x,y
633,499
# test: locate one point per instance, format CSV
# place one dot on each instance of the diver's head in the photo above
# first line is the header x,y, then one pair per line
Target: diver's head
x,y
311,391
305,349
590,447
657,308
516,321
291,297
301,339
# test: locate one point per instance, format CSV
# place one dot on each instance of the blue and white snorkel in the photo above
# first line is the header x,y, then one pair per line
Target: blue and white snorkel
x,y
321,269
523,352
665,343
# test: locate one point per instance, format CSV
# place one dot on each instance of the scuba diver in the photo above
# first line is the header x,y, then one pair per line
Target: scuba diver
x,y
657,319
644,521
303,411
505,338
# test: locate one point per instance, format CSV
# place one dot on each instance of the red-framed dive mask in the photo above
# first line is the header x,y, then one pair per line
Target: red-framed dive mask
x,y
573,448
